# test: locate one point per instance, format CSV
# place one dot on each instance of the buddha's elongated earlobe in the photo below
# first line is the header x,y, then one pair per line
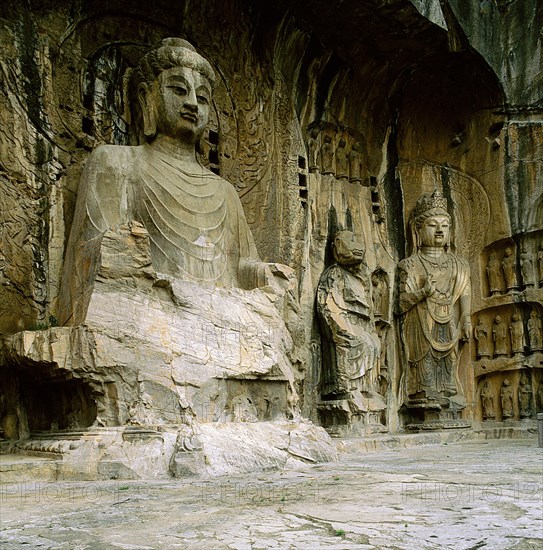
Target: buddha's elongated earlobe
x,y
148,110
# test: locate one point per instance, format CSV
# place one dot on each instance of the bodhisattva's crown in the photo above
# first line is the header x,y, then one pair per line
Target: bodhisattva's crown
x,y
431,201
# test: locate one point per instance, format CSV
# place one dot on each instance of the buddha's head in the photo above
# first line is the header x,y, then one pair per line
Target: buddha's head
x,y
171,90
347,249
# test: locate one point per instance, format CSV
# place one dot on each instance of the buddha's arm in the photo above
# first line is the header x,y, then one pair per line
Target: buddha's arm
x,y
100,204
252,271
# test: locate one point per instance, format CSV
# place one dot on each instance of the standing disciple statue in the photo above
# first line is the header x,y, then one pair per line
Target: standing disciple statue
x,y
313,150
499,335
540,263
506,395
517,334
509,265
355,164
525,396
482,337
379,294
435,303
535,331
487,401
194,218
494,274
342,164
527,266
327,156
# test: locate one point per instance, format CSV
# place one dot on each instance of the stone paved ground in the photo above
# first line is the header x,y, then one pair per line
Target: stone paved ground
x,y
470,495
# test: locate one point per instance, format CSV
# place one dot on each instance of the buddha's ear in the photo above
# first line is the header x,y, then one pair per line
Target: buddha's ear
x,y
148,110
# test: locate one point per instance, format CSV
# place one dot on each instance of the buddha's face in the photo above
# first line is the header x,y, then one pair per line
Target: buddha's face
x,y
182,100
434,231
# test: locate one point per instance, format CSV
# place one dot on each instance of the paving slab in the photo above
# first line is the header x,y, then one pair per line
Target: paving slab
x,y
465,495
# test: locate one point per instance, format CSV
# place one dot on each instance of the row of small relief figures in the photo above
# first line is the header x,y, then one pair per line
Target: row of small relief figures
x,y
507,399
498,337
503,273
329,160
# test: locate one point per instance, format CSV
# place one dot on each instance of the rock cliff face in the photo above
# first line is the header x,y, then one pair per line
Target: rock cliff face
x,y
327,116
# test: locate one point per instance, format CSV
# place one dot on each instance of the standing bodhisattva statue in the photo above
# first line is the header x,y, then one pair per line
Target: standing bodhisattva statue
x,y
196,224
435,303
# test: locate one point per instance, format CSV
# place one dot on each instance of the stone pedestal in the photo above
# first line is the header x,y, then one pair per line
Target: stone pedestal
x,y
166,377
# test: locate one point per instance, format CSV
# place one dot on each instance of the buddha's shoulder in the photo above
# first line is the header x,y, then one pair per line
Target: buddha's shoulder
x,y
409,263
223,184
115,156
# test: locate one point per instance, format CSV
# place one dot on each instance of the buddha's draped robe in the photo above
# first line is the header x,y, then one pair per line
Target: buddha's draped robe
x,y
195,221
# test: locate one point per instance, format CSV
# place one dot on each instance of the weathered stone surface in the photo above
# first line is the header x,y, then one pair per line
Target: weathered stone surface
x,y
399,497
159,353
415,95
350,377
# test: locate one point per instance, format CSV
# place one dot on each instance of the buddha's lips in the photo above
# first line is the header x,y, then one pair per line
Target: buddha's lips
x,y
189,116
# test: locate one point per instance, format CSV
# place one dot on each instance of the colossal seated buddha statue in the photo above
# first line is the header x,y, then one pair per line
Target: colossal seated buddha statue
x,y
196,224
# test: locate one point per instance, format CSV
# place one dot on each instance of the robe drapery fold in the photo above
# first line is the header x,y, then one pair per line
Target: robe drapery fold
x,y
196,224
432,325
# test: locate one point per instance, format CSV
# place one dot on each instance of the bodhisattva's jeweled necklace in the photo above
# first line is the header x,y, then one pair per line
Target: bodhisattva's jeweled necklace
x,y
440,268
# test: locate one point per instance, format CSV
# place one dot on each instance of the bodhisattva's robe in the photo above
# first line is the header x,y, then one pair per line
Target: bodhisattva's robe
x,y
195,221
431,327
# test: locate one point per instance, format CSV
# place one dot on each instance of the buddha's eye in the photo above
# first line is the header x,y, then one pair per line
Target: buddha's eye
x,y
202,99
179,90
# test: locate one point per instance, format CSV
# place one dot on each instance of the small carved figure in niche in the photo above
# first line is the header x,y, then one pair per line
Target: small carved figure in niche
x,y
342,164
195,220
535,331
350,344
499,335
327,156
487,401
313,150
509,270
383,359
435,301
525,396
540,262
527,266
355,164
517,334
507,399
380,294
494,274
482,337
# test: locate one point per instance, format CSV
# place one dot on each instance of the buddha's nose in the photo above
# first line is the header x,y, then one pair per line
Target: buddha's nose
x,y
191,101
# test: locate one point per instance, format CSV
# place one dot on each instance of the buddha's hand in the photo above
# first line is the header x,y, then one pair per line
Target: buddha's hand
x,y
429,287
466,330
254,274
